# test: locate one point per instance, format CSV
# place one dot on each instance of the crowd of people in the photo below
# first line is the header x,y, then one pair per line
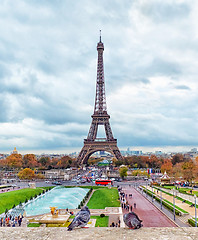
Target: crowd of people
x,y
123,199
11,221
115,224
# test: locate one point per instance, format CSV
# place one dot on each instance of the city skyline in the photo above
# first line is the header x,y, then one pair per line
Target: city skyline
x,y
48,73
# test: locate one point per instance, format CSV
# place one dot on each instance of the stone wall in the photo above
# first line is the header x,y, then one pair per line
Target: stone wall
x,y
98,233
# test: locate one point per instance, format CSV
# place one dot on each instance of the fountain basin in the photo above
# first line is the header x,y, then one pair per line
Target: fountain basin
x,y
59,197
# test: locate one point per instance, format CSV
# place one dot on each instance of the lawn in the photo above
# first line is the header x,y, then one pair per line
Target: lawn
x,y
101,222
8,199
168,187
104,197
164,201
34,224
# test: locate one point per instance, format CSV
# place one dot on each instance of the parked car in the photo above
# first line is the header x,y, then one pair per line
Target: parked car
x,y
57,183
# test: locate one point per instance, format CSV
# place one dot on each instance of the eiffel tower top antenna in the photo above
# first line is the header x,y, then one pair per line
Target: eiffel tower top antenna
x,y
100,36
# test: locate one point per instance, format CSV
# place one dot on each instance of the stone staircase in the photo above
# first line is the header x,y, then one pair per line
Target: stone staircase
x,y
185,218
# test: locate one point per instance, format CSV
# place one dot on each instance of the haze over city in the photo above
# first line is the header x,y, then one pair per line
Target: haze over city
x,y
48,73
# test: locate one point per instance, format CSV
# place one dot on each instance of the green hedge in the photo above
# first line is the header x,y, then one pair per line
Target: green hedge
x,y
1,187
179,198
191,222
166,203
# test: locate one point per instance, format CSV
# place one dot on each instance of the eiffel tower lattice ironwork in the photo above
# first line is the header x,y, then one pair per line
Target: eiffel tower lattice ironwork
x,y
100,117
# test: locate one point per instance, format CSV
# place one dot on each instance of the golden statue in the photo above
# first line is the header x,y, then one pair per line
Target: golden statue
x,y
54,211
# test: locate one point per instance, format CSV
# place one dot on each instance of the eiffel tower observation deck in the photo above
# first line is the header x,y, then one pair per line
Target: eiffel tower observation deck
x,y
100,117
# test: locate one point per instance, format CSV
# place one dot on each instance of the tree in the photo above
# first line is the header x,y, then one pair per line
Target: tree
x,y
26,173
44,161
64,162
14,160
167,166
30,161
123,172
188,170
177,171
39,176
177,158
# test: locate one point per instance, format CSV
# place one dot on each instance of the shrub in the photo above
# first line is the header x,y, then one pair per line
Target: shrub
x,y
26,200
166,204
6,210
14,206
191,222
102,215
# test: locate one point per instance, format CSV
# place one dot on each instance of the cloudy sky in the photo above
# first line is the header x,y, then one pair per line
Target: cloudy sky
x,y
48,64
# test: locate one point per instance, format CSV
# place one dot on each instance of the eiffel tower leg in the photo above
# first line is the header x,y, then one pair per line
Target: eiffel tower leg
x,y
81,156
118,155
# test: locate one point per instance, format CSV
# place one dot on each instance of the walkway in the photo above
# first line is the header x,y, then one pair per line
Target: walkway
x,y
151,216
179,203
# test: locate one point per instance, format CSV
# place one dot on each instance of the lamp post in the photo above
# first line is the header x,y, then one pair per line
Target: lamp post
x,y
152,193
161,198
174,203
146,189
195,211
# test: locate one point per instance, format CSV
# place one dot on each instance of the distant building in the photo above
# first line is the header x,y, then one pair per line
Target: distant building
x,y
14,151
158,152
131,153
191,154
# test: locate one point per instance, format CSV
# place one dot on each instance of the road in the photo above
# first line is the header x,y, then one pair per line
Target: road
x,y
151,216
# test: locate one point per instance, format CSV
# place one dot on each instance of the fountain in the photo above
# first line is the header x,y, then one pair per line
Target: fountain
x,y
60,197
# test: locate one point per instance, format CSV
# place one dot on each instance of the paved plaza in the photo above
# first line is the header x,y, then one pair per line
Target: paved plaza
x,y
151,216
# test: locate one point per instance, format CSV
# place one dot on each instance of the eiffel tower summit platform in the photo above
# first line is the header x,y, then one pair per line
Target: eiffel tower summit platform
x,y
100,117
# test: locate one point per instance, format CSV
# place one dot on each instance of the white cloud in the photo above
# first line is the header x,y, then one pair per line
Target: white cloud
x,y
48,71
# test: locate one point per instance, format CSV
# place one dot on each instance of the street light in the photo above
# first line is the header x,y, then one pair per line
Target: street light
x,y
174,203
195,211
152,193
146,189
161,198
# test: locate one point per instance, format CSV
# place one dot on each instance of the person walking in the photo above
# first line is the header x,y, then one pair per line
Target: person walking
x,y
131,208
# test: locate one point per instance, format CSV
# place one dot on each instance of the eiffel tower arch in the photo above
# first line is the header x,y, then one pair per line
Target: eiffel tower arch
x,y
100,117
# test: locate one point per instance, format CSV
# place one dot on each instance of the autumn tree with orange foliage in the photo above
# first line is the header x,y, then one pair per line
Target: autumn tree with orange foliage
x,y
3,163
189,171
177,171
14,161
64,162
30,161
45,162
167,166
26,173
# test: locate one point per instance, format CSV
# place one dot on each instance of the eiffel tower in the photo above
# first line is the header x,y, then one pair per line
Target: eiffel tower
x,y
100,117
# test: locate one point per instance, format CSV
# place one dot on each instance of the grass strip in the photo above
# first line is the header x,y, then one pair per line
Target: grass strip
x,y
104,197
34,224
179,198
166,203
9,199
100,222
